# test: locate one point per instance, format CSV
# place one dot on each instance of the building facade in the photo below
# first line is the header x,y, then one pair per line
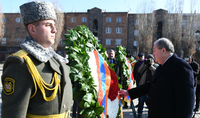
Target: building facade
x,y
111,28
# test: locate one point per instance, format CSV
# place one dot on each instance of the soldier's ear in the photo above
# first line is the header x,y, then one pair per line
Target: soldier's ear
x,y
31,28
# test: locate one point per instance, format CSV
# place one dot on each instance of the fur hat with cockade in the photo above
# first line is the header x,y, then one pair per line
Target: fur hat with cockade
x,y
35,11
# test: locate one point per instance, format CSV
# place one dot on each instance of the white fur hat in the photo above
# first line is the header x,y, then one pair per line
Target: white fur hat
x,y
36,10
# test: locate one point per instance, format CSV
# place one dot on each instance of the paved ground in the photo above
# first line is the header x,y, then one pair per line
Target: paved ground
x,y
128,113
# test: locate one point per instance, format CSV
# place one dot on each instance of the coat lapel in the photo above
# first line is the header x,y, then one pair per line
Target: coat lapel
x,y
162,68
55,65
66,93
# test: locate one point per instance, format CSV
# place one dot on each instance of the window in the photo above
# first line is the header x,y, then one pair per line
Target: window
x,y
84,19
108,19
95,24
183,22
3,31
108,41
119,19
118,41
18,30
134,54
60,42
118,30
136,32
108,30
135,43
3,41
73,20
4,20
17,20
135,22
171,21
18,40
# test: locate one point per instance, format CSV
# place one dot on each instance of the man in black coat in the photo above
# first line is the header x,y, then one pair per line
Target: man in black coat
x,y
140,61
197,94
113,60
195,67
171,90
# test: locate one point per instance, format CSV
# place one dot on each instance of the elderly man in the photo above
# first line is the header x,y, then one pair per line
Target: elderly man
x,y
111,56
171,90
35,80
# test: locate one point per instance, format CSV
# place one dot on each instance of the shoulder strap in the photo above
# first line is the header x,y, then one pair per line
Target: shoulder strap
x,y
21,53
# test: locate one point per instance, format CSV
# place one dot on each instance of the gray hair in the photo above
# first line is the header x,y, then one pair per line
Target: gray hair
x,y
111,50
165,43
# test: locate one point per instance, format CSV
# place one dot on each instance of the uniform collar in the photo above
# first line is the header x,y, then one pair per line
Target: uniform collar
x,y
39,52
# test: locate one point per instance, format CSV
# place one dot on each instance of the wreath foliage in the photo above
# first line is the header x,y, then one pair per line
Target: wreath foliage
x,y
79,42
120,56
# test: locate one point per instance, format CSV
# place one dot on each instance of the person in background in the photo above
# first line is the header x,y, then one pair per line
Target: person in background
x,y
111,56
146,70
136,75
171,89
140,61
35,80
197,94
113,60
195,68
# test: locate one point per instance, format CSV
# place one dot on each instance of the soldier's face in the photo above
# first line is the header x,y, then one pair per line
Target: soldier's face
x,y
45,33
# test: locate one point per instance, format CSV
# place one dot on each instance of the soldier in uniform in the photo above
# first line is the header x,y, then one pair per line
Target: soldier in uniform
x,y
35,79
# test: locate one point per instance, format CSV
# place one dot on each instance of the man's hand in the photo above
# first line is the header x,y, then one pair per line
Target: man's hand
x,y
123,93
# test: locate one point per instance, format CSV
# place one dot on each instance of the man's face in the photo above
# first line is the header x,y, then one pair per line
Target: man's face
x,y
158,54
45,33
141,58
111,55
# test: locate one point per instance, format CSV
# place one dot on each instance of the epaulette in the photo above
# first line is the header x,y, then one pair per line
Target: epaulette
x,y
21,53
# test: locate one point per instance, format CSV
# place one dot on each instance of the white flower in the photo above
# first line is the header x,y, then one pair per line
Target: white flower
x,y
112,108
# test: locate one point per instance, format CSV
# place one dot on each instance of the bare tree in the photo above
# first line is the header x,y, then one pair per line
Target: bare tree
x,y
191,25
145,27
2,24
181,27
173,29
59,23
189,29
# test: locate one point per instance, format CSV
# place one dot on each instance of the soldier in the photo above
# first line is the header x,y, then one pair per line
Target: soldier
x,y
35,79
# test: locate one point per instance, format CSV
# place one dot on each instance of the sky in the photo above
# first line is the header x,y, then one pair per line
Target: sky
x,y
131,6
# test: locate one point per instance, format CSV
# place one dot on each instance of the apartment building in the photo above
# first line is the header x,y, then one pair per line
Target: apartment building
x,y
111,28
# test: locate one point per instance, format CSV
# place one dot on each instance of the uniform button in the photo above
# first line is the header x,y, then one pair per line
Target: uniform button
x,y
64,106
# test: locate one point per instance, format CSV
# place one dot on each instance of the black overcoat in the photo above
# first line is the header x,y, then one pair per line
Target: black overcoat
x,y
171,90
